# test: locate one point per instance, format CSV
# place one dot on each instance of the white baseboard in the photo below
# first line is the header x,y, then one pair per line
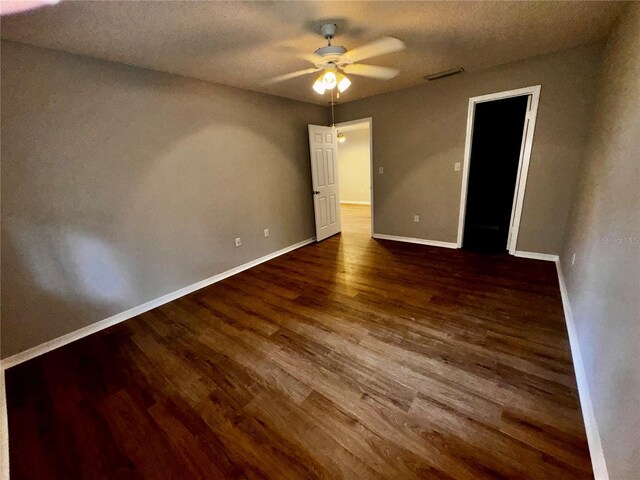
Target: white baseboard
x,y
420,241
120,317
354,202
536,256
593,435
101,325
4,431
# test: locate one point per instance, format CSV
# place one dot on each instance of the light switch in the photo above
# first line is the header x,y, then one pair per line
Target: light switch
x,y
380,170
456,166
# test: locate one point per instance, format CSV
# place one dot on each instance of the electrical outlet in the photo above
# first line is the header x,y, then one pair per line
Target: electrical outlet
x,y
456,166
380,170
416,218
266,232
573,259
238,242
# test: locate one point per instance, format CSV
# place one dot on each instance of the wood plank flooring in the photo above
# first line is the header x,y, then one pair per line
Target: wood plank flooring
x,y
352,358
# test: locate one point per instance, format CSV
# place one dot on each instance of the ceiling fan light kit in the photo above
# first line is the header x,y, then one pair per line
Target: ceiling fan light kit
x,y
335,61
318,86
329,79
343,82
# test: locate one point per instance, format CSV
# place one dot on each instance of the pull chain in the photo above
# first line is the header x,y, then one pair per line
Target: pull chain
x,y
333,120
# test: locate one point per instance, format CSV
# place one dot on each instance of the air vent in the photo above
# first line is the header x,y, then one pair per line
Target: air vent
x,y
444,73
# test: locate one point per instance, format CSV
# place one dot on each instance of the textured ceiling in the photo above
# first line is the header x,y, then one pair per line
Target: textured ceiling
x,y
242,43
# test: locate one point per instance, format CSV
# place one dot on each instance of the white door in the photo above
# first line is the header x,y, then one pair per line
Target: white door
x,y
323,147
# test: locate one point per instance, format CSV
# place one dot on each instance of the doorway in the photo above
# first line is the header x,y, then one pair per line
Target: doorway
x,y
499,138
354,164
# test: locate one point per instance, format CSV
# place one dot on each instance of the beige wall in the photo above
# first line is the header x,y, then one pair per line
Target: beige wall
x,y
419,133
604,233
354,163
120,185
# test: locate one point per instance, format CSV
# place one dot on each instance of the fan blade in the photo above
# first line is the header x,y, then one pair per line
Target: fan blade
x,y
289,52
288,76
309,57
373,71
375,48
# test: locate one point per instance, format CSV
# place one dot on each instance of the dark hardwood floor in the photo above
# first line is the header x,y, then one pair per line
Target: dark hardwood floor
x,y
352,358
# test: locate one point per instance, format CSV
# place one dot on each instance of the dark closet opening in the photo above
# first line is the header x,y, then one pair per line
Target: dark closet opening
x,y
498,128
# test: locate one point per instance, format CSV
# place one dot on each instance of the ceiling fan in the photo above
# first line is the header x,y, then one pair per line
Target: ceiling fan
x,y
335,61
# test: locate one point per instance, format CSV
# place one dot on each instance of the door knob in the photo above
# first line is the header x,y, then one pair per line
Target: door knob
x,y
316,192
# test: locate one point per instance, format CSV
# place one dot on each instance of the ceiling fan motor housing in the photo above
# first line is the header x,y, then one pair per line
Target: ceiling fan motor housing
x,y
330,50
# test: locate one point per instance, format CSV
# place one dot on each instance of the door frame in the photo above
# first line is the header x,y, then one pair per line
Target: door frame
x,y
523,164
369,121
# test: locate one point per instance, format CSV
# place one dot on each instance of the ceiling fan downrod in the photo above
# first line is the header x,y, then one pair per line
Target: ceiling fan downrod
x,y
328,31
